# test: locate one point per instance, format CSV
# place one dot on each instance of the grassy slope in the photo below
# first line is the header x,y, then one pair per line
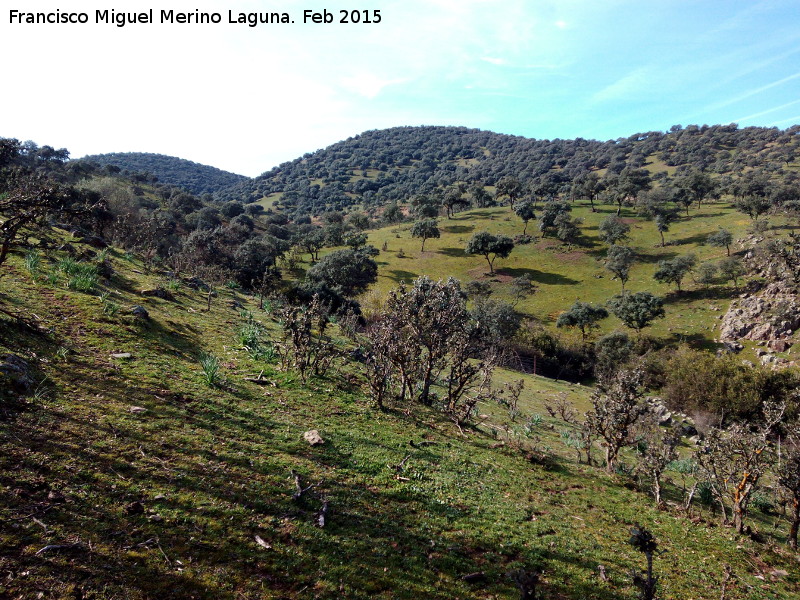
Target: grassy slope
x,y
211,467
564,274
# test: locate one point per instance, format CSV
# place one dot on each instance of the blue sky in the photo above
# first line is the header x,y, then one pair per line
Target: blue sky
x,y
245,99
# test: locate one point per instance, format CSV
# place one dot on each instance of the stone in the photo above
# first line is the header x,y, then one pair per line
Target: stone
x,y
688,430
15,373
122,355
313,438
779,573
134,508
734,347
56,497
779,345
140,312
137,410
196,284
95,241
158,292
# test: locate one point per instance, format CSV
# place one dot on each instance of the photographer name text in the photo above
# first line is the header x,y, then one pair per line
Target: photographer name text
x,y
196,17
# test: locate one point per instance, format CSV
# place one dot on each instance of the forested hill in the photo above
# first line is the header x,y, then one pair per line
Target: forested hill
x,y
191,176
384,166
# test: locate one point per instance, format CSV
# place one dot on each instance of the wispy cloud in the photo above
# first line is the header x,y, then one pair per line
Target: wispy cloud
x,y
753,92
630,84
766,112
493,60
789,121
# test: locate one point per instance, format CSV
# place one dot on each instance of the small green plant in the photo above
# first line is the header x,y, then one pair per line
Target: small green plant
x,y
33,262
173,285
110,308
52,278
81,277
762,502
42,392
535,420
250,335
266,353
102,255
210,365
61,354
67,265
232,285
82,282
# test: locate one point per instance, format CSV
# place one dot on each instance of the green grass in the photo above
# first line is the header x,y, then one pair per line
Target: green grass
x,y
212,469
563,275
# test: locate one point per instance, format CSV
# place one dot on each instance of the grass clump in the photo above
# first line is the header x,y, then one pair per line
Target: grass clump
x,y
211,369
251,336
80,276
33,262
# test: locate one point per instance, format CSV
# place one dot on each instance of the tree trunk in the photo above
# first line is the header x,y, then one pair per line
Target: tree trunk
x,y
611,458
426,383
738,517
657,489
795,523
690,497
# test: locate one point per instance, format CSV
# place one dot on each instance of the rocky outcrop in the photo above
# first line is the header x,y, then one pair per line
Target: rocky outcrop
x,y
770,315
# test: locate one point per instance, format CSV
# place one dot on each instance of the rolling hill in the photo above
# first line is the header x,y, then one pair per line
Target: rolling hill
x,y
191,176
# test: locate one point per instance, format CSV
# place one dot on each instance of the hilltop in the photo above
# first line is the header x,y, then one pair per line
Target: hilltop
x,y
191,176
379,167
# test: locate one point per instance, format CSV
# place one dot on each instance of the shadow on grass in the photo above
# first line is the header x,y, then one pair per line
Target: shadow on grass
x,y
400,275
654,258
712,293
695,340
455,252
698,239
458,228
537,276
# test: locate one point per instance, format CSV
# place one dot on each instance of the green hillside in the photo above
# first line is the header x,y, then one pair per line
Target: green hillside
x,y
191,176
157,374
129,476
566,273
379,167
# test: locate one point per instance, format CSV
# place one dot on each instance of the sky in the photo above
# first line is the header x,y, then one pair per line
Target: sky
x,y
246,99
